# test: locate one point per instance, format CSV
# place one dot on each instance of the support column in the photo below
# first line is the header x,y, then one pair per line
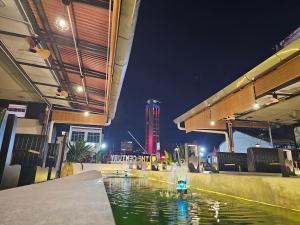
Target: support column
x,y
230,137
8,143
50,132
270,135
60,158
46,120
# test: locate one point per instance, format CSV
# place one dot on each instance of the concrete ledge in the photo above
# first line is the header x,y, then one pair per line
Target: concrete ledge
x,y
76,200
98,166
276,191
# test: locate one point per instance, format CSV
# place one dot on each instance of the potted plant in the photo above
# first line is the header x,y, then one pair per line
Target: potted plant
x,y
78,153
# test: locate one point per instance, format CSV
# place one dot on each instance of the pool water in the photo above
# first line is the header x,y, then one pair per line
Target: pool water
x,y
138,201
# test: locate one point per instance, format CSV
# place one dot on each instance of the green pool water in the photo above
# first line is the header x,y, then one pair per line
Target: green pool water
x,y
138,201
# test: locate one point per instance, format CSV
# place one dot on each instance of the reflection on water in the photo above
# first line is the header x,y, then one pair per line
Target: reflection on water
x,y
138,201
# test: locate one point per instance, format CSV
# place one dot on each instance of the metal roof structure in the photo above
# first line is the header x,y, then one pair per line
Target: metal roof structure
x,y
269,93
70,54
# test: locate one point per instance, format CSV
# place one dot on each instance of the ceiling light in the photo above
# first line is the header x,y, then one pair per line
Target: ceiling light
x,y
86,113
79,89
256,106
61,24
212,123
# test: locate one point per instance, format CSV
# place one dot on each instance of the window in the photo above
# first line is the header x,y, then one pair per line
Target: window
x,y
93,137
76,136
18,110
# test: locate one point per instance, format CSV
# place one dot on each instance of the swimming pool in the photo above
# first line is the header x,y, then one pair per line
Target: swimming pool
x,y
139,201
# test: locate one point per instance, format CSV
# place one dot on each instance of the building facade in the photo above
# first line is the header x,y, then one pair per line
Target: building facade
x,y
92,136
152,113
126,147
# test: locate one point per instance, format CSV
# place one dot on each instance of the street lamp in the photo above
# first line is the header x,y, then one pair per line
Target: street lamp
x,y
103,146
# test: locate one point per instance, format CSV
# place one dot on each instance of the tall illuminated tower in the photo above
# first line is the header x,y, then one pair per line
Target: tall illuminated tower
x,y
152,126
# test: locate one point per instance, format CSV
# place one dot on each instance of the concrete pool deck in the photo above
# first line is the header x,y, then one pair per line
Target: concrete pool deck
x,y
78,200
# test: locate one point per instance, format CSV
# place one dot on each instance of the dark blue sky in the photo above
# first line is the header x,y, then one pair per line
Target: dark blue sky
x,y
185,51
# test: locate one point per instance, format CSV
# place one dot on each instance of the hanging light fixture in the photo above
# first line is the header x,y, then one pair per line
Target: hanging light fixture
x,y
61,24
79,89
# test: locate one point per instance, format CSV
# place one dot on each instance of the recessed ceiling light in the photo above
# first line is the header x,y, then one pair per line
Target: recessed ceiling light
x,y
86,113
79,89
256,106
61,24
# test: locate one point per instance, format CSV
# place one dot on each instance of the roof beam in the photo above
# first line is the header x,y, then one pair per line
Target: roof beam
x,y
102,4
37,30
65,41
92,90
250,124
75,101
281,76
13,34
83,45
67,68
85,71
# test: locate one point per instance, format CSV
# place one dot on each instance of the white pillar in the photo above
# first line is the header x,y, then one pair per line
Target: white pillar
x,y
50,131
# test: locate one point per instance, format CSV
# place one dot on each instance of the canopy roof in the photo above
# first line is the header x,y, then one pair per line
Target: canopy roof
x,y
269,93
89,44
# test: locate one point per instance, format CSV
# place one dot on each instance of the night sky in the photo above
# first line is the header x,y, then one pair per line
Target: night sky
x,y
185,51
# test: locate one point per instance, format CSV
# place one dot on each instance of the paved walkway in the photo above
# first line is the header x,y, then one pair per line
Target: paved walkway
x,y
75,200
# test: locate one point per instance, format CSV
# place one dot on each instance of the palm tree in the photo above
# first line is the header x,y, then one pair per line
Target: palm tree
x,y
79,151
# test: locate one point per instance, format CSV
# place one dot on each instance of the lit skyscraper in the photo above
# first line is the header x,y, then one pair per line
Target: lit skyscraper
x,y
152,126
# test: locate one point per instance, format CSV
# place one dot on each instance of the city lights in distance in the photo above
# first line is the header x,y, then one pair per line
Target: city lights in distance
x,y
86,113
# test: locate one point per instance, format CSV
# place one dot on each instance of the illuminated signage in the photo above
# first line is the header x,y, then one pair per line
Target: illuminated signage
x,y
130,158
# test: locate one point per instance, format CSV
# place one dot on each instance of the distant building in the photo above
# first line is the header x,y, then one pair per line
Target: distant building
x,y
92,136
126,147
152,144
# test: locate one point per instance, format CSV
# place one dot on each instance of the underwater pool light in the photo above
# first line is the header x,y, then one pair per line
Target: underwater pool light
x,y
181,186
